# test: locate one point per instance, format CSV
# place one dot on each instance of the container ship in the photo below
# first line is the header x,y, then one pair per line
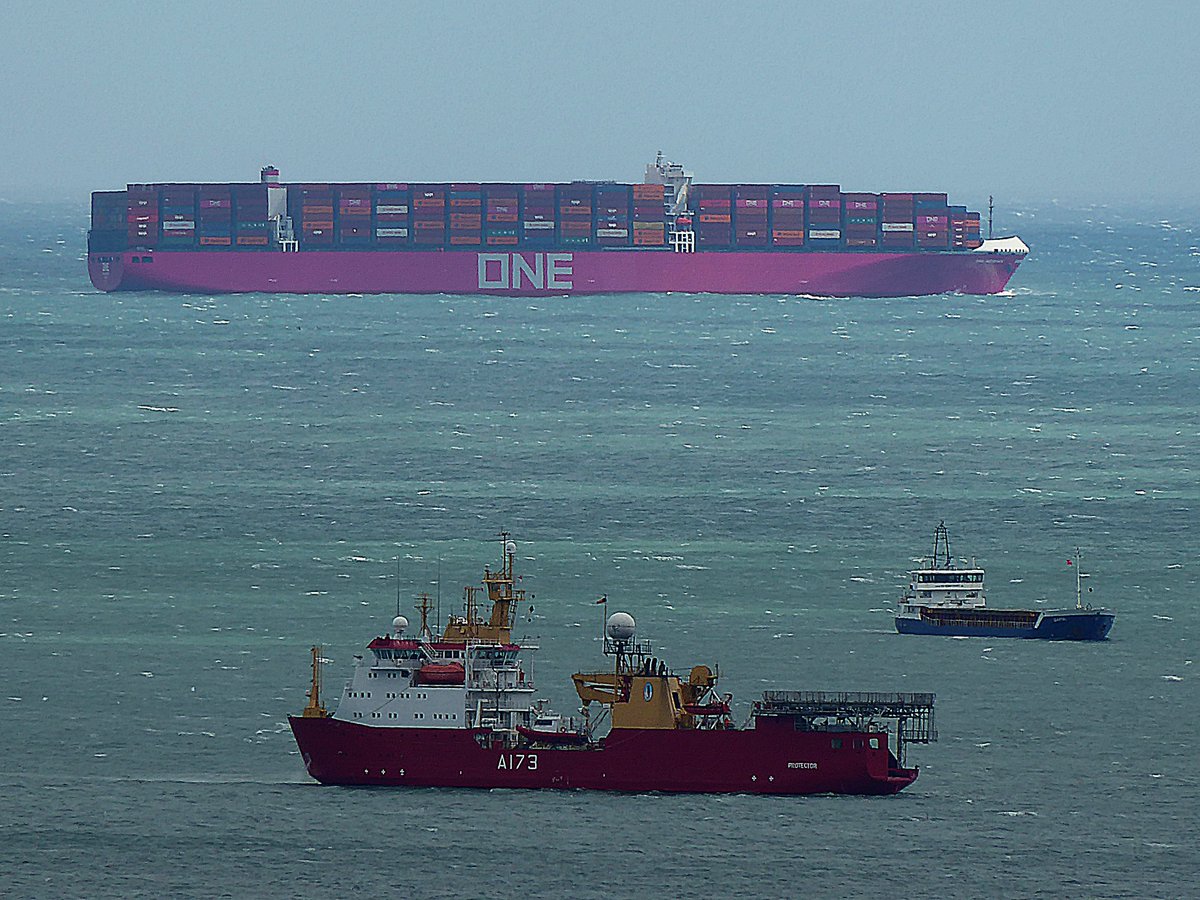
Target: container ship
x,y
666,234
454,706
944,599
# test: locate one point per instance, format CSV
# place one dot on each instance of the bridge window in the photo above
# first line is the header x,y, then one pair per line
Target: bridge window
x,y
874,743
836,743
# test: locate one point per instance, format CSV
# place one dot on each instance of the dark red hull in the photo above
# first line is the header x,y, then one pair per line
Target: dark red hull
x,y
772,758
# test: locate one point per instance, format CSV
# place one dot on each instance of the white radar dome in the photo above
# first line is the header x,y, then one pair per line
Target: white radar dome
x,y
399,624
510,547
620,626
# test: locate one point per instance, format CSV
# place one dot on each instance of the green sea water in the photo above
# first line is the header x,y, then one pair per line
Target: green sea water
x,y
195,489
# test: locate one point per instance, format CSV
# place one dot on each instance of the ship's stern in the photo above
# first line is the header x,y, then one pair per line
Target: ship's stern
x,y
107,270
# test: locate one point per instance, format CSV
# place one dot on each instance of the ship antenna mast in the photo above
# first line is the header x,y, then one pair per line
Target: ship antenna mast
x,y
1078,582
989,217
397,585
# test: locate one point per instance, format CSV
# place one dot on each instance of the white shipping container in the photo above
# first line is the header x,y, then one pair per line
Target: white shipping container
x,y
539,226
612,232
179,226
391,232
825,234
393,210
897,226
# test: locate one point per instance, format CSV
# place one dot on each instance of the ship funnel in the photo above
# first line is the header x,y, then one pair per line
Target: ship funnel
x,y
620,626
269,175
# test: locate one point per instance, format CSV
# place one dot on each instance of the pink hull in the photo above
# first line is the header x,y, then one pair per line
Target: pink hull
x,y
773,758
536,273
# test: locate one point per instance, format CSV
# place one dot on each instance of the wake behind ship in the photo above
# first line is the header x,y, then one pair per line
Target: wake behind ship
x,y
459,709
667,234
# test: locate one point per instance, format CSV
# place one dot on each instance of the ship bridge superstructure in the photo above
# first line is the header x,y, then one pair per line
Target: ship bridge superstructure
x,y
471,675
941,583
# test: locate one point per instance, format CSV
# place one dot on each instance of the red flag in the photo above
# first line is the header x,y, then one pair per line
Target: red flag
x,y
603,599
1068,562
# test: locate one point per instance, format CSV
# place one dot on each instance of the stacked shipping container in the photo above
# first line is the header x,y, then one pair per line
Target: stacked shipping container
x,y
896,226
503,214
649,215
538,219
751,203
429,215
466,215
535,216
250,215
142,215
178,215
787,215
823,207
612,215
353,218
713,205
575,215
932,221
390,210
216,215
110,221
311,209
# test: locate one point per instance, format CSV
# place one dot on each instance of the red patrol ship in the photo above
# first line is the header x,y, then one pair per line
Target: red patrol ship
x,y
458,709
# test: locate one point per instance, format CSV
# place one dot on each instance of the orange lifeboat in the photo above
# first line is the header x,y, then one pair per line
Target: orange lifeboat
x,y
441,673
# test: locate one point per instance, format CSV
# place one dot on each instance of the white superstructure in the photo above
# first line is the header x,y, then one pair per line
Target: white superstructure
x,y
941,584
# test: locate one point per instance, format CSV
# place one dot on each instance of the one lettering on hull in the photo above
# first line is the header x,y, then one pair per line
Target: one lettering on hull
x,y
514,761
802,765
520,271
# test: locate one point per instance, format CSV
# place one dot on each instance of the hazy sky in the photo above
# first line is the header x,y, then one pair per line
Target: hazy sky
x,y
1029,101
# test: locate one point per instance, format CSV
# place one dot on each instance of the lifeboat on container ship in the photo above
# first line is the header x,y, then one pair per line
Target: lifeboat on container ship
x,y
441,673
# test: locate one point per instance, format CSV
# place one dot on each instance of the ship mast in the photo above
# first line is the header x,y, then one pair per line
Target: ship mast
x,y
423,607
1078,582
315,709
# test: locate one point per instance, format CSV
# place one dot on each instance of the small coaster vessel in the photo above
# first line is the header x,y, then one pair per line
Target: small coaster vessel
x,y
944,599
459,709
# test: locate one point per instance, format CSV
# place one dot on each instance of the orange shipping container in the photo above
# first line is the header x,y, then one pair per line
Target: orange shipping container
x,y
648,192
713,217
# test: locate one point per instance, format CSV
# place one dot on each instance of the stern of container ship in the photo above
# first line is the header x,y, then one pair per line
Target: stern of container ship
x,y
107,270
